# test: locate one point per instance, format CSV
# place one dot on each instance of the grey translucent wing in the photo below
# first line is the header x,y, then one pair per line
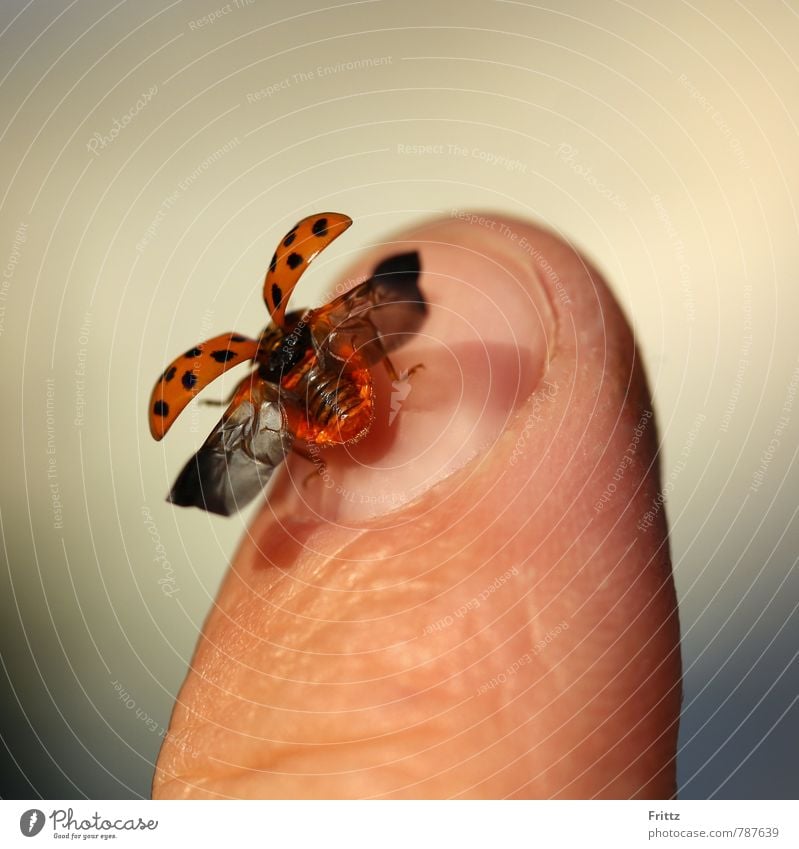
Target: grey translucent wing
x,y
241,453
377,316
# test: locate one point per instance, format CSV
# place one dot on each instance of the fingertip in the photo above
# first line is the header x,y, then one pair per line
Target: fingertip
x,y
451,567
484,346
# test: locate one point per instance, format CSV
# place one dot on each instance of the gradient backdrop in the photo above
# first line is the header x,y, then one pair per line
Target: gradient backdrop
x,y
153,153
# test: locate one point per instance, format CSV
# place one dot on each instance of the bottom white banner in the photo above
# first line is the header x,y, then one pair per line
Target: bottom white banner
x,y
403,824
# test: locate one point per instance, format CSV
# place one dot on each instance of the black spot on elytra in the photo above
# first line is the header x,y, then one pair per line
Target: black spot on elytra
x,y
161,408
320,227
170,373
189,379
273,263
289,239
194,352
293,260
223,356
236,338
277,294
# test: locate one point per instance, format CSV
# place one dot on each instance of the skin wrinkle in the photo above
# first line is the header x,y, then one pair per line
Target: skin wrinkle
x,y
538,681
431,677
298,748
289,753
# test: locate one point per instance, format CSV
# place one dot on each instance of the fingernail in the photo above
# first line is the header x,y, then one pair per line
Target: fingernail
x,y
483,349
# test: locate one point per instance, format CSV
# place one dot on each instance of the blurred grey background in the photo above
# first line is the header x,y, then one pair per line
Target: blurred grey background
x,y
152,155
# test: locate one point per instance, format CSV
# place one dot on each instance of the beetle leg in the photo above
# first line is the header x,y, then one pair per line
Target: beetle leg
x,y
392,370
219,402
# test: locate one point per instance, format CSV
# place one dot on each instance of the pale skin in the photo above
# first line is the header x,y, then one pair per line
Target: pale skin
x,y
476,600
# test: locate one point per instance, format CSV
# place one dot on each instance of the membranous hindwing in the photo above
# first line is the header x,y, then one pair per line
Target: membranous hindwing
x,y
241,453
312,382
375,317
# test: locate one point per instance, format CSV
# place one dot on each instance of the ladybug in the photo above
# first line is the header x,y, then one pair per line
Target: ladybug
x,y
311,384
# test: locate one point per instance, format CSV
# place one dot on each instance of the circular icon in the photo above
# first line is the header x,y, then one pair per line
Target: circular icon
x,y
31,822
